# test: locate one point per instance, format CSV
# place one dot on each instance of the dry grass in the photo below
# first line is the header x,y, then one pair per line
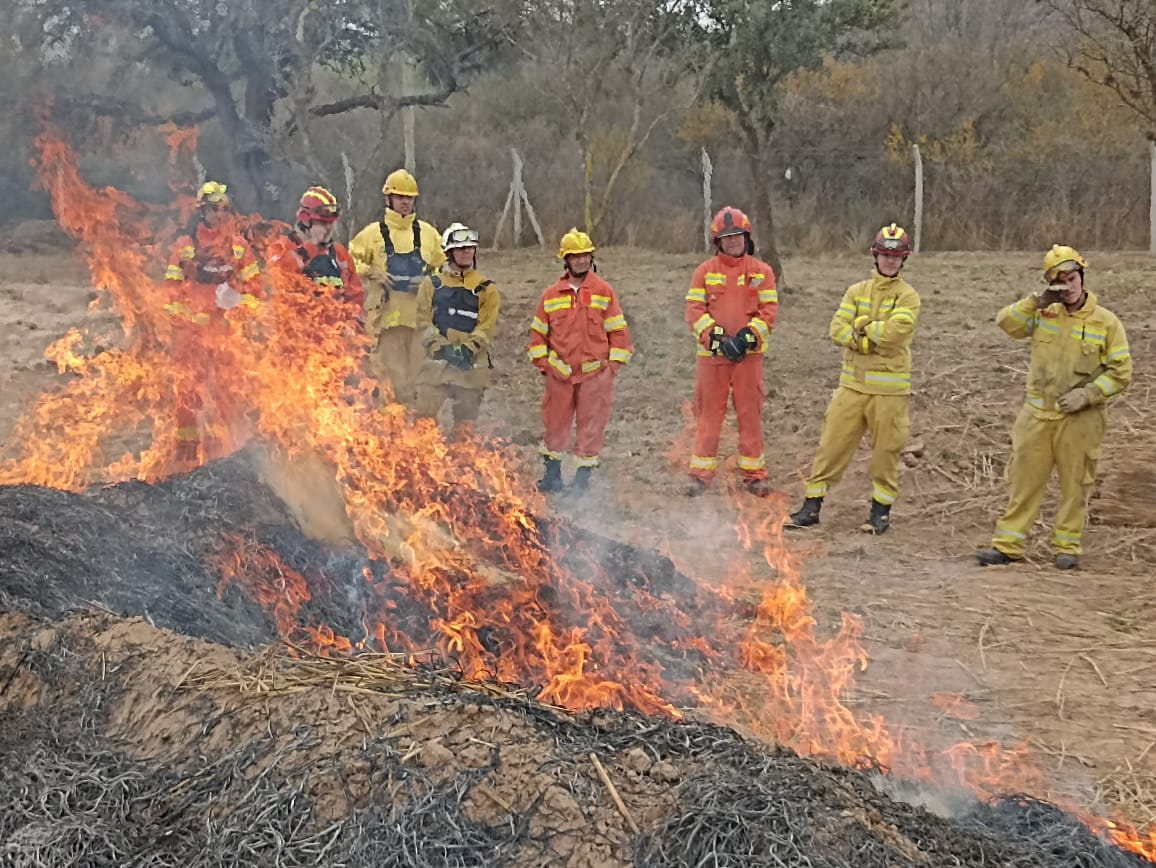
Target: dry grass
x,y
284,669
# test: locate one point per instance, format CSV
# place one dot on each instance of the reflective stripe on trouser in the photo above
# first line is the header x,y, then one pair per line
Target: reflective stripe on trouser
x,y
584,407
742,382
467,403
849,414
1072,446
393,360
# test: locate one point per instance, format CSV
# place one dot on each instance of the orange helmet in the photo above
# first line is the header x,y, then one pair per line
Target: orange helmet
x,y
729,221
318,205
892,240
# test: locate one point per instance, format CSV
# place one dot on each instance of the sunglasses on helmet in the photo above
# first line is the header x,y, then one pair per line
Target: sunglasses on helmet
x,y
1064,268
464,236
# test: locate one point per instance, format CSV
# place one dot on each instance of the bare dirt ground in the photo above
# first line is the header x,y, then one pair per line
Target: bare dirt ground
x,y
1062,661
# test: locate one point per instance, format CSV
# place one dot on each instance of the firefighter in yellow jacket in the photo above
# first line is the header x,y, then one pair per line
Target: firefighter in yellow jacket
x,y
875,324
457,314
393,255
1079,360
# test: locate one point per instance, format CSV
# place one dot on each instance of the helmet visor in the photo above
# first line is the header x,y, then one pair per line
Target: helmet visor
x,y
324,213
1065,267
462,238
891,245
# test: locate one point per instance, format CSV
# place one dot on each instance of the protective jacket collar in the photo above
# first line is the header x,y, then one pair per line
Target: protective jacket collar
x,y
397,221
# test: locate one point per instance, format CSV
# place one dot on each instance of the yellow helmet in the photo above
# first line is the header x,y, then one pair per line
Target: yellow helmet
x,y
575,242
1060,260
213,193
400,183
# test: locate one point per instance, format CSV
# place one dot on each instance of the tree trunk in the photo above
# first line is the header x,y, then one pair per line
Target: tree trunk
x,y
252,144
764,222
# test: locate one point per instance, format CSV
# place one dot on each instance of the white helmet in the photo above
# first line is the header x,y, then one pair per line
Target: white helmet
x,y
459,235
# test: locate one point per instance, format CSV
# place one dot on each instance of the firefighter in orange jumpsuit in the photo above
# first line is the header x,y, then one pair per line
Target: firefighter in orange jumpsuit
x,y
393,256
730,308
578,340
309,249
1080,361
875,324
212,270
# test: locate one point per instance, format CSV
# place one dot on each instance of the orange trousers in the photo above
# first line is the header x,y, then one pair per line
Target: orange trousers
x,y
199,423
714,383
584,407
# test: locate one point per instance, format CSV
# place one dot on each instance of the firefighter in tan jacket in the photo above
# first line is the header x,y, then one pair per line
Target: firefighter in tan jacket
x,y
392,256
875,323
457,314
1080,359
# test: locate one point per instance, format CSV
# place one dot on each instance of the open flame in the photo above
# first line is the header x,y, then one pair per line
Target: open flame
x,y
455,526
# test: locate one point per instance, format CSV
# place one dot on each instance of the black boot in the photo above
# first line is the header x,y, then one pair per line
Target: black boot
x,y
696,488
994,557
879,519
552,479
806,516
758,487
581,483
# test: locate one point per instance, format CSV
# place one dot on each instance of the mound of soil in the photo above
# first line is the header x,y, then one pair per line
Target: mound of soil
x,y
123,740
124,744
156,551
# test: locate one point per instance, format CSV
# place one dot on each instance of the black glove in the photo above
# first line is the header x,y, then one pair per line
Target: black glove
x,y
1048,297
717,336
748,334
734,348
458,357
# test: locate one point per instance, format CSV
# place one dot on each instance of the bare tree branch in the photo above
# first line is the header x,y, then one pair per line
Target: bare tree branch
x,y
1115,47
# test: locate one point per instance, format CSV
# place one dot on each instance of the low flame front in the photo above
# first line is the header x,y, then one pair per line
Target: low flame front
x,y
455,525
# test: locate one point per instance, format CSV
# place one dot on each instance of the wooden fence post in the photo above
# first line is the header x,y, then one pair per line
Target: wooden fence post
x,y
1152,196
516,199
408,114
518,196
707,171
347,169
918,232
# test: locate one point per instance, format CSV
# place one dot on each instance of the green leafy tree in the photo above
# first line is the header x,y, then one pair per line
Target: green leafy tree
x,y
758,44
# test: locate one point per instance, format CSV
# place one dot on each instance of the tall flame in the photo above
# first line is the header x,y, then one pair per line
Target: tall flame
x,y
455,526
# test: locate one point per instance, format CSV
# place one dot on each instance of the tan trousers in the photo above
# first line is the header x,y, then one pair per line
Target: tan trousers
x,y
392,360
467,403
1072,446
849,414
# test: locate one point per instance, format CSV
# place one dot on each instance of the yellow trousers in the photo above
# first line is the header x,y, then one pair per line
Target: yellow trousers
x,y
393,360
1072,446
849,414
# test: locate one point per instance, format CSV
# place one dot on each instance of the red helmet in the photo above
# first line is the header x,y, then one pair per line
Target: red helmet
x,y
892,240
318,205
729,221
